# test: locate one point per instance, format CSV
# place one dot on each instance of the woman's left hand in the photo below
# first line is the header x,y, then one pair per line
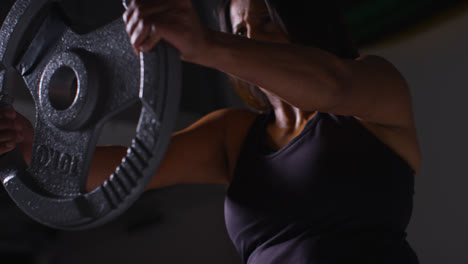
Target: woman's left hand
x,y
175,21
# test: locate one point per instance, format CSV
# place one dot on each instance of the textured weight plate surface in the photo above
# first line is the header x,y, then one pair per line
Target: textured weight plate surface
x,y
107,77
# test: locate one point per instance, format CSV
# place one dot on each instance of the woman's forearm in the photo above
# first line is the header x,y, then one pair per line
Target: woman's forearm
x,y
315,75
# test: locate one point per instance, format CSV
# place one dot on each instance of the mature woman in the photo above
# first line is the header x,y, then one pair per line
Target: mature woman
x,y
324,171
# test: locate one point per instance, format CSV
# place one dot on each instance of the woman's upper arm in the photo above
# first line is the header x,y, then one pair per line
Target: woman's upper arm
x,y
197,154
374,91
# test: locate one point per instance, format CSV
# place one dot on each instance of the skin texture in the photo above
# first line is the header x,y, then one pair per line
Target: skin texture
x,y
298,80
251,19
15,131
391,119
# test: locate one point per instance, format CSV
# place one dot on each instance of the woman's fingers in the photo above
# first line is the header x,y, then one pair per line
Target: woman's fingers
x,y
6,147
141,33
19,136
14,129
8,136
127,14
153,8
140,22
132,22
8,124
8,113
152,39
11,128
176,21
9,139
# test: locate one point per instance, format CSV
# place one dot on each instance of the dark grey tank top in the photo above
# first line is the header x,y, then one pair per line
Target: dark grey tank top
x,y
335,194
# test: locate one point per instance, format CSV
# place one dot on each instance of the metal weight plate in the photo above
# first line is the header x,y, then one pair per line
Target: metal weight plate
x,y
78,82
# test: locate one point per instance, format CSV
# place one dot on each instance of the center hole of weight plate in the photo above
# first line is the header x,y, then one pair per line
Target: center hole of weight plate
x,y
62,89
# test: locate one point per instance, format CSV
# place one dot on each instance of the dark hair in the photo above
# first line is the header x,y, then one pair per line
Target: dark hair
x,y
318,23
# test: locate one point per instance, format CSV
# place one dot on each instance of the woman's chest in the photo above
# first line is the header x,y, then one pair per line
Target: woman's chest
x,y
307,170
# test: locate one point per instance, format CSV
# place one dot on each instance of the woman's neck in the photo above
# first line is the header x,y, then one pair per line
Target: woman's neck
x,y
288,119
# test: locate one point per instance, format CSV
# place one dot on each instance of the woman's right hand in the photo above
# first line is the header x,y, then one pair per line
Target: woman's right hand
x,y
15,130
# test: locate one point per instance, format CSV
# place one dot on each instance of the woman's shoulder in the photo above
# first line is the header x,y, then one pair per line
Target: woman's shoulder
x,y
240,115
231,119
226,119
238,122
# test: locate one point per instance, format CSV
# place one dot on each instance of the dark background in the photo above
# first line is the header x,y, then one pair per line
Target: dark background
x,y
426,40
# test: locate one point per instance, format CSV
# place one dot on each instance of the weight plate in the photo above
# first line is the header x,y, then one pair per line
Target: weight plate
x,y
78,82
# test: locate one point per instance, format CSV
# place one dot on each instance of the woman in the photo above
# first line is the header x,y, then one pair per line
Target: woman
x,y
324,173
